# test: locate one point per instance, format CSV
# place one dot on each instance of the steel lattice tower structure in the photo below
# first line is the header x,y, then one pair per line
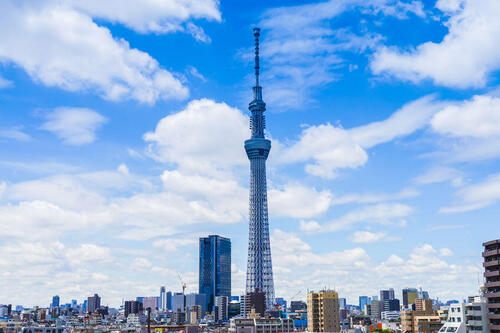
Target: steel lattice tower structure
x,y
259,266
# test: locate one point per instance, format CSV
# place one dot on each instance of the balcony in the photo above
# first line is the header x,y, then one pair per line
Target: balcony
x,y
491,263
492,284
491,274
474,322
492,295
493,316
493,305
491,253
475,313
494,327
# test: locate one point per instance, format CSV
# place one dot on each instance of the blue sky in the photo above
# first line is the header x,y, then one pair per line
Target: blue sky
x,y
122,132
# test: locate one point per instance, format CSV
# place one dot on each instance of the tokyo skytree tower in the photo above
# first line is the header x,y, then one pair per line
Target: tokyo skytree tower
x,y
259,266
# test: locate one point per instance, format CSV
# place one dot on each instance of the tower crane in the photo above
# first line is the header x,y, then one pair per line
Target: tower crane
x,y
182,283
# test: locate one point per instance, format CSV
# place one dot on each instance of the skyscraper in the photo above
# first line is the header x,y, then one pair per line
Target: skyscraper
x,y
363,301
409,296
259,265
55,301
215,268
163,299
94,303
387,294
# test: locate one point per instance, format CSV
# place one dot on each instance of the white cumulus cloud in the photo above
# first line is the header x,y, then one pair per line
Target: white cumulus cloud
x,y
62,47
466,56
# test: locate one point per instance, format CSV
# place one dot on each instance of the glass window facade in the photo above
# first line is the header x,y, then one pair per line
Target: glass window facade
x,y
215,268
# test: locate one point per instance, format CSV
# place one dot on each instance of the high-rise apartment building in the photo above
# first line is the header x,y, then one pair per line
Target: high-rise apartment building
x,y
491,265
221,304
409,296
422,320
323,311
387,294
133,307
259,263
93,303
467,317
255,300
215,268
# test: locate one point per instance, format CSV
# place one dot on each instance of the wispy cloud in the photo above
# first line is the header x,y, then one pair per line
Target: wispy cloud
x,y
75,126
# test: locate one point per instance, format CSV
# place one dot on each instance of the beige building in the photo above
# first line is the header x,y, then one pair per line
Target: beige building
x,y
323,311
423,320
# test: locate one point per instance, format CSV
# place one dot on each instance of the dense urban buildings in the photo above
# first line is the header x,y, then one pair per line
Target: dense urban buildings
x,y
214,268
259,265
491,264
323,311
424,319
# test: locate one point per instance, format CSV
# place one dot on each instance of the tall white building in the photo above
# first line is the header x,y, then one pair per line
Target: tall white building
x,y
470,317
163,299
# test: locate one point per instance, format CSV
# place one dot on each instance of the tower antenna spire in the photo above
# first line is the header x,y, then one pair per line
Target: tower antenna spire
x,y
256,34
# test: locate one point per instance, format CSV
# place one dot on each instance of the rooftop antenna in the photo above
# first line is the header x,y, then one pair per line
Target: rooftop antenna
x,y
257,90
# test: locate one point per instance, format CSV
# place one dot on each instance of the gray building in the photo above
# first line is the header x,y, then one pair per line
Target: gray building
x,y
178,302
387,294
197,299
93,303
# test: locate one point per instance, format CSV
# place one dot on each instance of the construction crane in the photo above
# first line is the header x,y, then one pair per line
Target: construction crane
x,y
182,283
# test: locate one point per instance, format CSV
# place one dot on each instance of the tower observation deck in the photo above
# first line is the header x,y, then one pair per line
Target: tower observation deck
x,y
259,265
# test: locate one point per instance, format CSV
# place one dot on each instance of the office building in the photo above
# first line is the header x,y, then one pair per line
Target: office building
x,y
409,296
422,294
55,302
387,294
215,268
390,315
233,309
281,302
178,302
197,299
297,306
323,311
391,305
150,302
422,320
363,301
133,307
260,325
162,305
93,303
375,309
491,265
255,300
259,263
342,303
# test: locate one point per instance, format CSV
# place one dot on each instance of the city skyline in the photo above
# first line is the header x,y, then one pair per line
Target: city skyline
x,y
122,132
